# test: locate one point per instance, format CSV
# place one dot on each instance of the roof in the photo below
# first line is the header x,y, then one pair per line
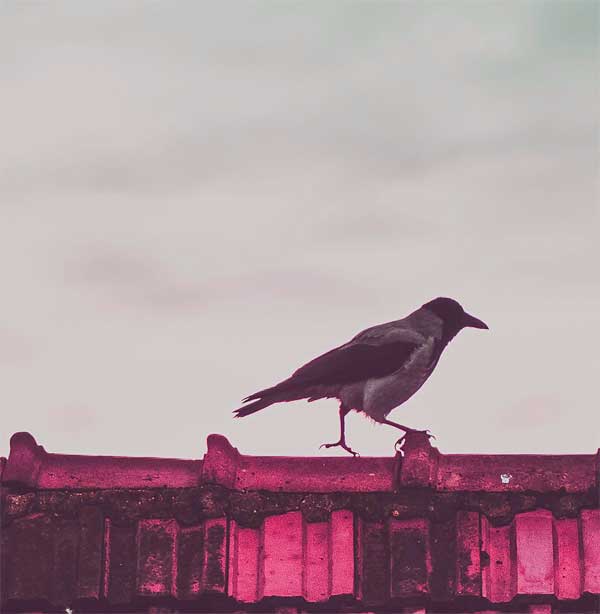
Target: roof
x,y
231,532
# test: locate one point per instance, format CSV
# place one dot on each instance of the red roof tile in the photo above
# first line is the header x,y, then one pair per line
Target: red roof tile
x,y
420,531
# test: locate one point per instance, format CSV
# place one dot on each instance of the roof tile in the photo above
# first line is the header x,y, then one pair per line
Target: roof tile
x,y
317,569
156,542
190,561
282,555
244,553
402,547
373,559
410,557
468,560
535,555
122,563
590,531
498,573
567,571
29,571
91,546
341,552
214,568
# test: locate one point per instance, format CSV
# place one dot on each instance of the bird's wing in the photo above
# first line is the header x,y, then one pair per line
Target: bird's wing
x,y
358,361
375,352
390,332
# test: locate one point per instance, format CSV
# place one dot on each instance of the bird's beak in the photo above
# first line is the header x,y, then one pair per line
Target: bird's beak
x,y
473,322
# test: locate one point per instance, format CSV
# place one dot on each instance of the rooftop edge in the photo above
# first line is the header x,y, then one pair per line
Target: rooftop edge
x,y
419,465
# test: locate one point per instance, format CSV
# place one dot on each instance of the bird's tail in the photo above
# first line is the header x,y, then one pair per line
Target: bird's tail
x,y
284,391
246,410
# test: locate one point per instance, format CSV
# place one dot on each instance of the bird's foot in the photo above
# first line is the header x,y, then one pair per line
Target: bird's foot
x,y
398,444
341,444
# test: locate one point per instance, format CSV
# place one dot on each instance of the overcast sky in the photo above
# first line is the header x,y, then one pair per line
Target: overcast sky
x,y
198,198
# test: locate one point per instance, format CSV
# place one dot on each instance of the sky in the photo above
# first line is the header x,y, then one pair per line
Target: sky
x,y
198,198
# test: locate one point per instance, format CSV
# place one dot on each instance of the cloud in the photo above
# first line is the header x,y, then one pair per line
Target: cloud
x,y
195,199
74,419
167,107
139,281
533,412
15,349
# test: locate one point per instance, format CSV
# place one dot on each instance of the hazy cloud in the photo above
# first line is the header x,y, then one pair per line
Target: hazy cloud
x,y
196,198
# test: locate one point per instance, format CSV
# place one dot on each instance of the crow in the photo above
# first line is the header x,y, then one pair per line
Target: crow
x,y
377,370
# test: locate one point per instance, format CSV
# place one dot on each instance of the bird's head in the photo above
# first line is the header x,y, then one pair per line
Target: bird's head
x,y
454,317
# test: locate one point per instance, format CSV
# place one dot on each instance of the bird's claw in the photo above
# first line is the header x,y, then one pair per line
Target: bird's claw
x,y
341,444
398,444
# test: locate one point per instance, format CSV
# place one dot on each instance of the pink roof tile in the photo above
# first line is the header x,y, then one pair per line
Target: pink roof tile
x,y
413,532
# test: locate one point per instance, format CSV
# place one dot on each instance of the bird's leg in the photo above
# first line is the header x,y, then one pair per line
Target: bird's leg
x,y
342,441
406,430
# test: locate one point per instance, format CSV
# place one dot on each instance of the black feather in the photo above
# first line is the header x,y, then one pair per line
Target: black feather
x,y
343,365
355,362
246,410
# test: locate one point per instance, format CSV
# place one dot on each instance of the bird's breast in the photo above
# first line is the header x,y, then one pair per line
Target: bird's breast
x,y
383,394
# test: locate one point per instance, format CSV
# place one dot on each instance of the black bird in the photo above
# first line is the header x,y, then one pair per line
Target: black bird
x,y
377,370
